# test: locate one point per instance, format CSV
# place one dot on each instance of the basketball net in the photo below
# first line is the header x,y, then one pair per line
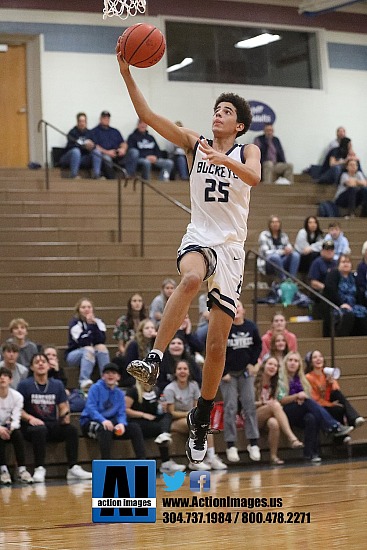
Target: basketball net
x,y
123,8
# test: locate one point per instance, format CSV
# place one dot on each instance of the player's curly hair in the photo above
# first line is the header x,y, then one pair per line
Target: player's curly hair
x,y
243,110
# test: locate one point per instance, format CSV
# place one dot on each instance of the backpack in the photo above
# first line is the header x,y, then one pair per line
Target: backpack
x,y
328,209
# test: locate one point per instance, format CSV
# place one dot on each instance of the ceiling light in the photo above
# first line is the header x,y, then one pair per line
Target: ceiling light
x,y
256,41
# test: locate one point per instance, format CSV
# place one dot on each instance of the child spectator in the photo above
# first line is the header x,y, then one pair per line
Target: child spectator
x,y
341,243
19,332
127,325
159,302
56,370
278,326
10,353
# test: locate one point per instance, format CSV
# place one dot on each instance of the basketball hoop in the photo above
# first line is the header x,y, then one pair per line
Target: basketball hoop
x,y
123,8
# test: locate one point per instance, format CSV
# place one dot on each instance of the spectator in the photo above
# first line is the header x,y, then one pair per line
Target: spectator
x,y
269,411
309,243
278,347
126,380
352,189
175,353
243,350
10,353
326,391
142,343
19,332
341,243
142,406
146,153
127,325
362,275
278,326
275,246
294,393
46,417
181,396
159,302
80,149
202,326
273,163
335,160
178,155
321,266
190,339
112,147
86,344
55,370
104,415
11,405
341,289
340,134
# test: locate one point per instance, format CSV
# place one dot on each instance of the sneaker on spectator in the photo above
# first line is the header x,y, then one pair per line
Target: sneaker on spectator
x,y
77,472
163,438
86,384
282,181
215,463
5,478
39,474
341,431
25,477
171,466
232,454
254,452
359,421
203,466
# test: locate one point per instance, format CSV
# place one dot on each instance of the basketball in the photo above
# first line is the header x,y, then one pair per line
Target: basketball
x,y
142,45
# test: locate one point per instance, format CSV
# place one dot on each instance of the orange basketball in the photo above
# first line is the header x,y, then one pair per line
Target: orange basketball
x,y
142,45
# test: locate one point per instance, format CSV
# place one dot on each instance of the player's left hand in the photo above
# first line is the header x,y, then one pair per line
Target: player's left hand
x,y
213,156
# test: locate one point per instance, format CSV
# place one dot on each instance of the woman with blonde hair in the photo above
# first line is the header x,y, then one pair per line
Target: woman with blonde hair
x,y
142,342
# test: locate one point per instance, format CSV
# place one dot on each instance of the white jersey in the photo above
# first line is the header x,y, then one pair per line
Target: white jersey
x,y
220,202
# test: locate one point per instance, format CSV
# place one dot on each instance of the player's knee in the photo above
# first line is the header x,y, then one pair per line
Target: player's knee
x,y
192,282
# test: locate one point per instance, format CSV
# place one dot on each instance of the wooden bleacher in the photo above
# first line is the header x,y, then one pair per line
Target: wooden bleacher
x,y
60,244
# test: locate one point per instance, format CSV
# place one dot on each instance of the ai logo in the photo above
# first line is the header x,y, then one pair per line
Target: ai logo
x,y
124,491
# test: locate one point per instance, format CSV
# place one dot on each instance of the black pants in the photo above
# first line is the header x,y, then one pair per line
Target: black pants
x,y
133,431
16,439
40,435
346,410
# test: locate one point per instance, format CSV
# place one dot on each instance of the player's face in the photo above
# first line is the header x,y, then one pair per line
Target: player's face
x,y
317,360
225,120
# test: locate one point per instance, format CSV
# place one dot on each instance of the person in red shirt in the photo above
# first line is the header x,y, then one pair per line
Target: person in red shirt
x,y
278,326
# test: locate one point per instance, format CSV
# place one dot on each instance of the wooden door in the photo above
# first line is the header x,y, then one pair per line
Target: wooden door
x,y
13,108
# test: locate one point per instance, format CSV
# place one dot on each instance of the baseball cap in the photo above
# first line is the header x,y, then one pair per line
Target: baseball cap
x,y
111,367
328,245
105,113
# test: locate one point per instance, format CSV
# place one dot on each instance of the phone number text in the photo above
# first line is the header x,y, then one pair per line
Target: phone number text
x,y
236,517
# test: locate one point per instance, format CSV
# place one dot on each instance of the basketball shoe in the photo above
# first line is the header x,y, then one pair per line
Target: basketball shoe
x,y
196,445
147,370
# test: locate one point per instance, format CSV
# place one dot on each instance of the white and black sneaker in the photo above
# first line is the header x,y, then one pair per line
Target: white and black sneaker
x,y
341,430
147,370
196,445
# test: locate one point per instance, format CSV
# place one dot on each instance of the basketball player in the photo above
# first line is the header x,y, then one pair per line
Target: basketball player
x,y
212,249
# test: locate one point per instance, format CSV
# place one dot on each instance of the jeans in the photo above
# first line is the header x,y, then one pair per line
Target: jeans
x,y
16,439
301,417
105,438
242,387
52,431
353,197
288,262
76,160
86,358
128,162
165,165
181,166
331,175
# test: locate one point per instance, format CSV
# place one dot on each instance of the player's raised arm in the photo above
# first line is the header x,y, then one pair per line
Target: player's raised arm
x,y
166,128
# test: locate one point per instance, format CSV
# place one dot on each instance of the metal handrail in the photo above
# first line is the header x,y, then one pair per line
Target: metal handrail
x,y
332,307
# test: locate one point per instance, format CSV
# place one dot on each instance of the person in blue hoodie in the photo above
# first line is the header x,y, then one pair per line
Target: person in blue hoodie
x,y
104,415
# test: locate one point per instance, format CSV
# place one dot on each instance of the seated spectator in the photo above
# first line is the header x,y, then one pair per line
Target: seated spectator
x,y
142,407
104,415
159,302
178,155
86,344
278,326
126,380
352,189
309,243
326,391
274,167
190,339
243,350
55,370
146,153
278,347
11,405
10,353
46,417
142,343
19,332
341,243
341,289
80,149
175,353
269,412
112,147
340,134
181,396
274,244
319,269
362,275
294,393
335,160
127,325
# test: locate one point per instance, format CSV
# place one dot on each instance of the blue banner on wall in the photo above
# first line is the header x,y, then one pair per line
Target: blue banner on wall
x,y
261,114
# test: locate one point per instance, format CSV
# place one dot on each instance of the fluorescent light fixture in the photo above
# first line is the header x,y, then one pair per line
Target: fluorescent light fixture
x,y
4,47
178,66
256,41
